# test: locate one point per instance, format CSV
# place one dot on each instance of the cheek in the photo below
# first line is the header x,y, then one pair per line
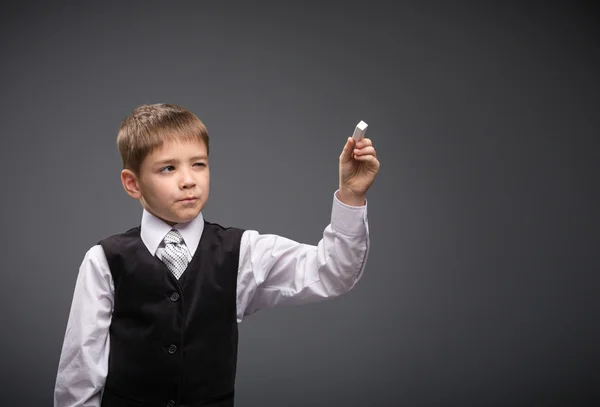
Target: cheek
x,y
165,189
157,189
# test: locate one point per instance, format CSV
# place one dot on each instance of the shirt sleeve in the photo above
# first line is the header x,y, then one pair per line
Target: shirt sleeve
x,y
274,270
83,364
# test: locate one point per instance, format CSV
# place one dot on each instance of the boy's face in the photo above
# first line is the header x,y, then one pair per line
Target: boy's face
x,y
174,181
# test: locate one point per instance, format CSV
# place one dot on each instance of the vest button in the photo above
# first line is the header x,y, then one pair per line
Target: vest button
x,y
172,349
174,297
171,403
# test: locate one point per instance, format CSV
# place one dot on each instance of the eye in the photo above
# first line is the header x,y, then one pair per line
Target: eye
x,y
169,167
201,164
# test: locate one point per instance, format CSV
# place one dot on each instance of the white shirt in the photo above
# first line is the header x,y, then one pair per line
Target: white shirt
x,y
273,271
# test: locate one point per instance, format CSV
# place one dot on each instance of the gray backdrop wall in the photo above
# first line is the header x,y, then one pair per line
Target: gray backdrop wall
x,y
481,285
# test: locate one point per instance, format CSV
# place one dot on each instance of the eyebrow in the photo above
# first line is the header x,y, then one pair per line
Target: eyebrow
x,y
175,160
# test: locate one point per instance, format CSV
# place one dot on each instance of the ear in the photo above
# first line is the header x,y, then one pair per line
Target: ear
x,y
131,184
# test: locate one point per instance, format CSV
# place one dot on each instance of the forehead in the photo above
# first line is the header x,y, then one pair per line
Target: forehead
x,y
178,150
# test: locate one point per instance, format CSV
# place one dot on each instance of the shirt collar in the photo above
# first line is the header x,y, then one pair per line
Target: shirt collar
x,y
153,231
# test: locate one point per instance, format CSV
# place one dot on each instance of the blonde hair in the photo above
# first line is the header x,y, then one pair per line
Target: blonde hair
x,y
147,127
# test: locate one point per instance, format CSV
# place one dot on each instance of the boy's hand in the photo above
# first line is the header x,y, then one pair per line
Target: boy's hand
x,y
358,168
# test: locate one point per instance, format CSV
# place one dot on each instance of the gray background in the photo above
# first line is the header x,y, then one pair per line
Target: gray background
x,y
481,285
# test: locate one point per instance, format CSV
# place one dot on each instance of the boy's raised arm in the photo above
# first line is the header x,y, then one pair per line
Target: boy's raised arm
x,y
278,271
83,361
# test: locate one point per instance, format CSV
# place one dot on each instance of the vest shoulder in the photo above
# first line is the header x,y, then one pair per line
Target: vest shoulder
x,y
220,229
131,233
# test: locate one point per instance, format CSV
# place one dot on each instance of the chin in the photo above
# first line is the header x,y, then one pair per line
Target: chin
x,y
178,218
188,217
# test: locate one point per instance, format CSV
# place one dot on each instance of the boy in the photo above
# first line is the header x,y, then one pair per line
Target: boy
x,y
155,310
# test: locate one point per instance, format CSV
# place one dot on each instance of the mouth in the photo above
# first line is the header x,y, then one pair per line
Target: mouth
x,y
189,200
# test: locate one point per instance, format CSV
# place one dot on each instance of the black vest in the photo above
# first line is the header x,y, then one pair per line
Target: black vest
x,y
173,342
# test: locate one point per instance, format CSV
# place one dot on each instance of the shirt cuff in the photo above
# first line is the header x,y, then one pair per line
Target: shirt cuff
x,y
346,219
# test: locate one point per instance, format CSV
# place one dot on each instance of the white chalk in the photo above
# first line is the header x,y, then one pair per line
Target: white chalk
x,y
359,131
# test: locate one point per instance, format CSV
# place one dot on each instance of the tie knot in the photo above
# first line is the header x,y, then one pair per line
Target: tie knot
x,y
173,237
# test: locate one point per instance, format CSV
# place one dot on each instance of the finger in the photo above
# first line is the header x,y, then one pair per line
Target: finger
x,y
366,157
347,151
364,142
365,151
369,160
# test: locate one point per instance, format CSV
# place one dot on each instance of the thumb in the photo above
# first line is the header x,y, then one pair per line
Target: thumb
x,y
347,151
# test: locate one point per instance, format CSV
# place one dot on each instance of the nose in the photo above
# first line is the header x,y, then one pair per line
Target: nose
x,y
187,180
